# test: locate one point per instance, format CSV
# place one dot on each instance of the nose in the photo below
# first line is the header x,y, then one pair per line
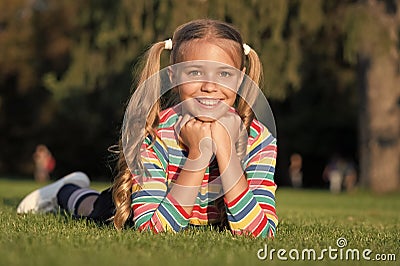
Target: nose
x,y
208,87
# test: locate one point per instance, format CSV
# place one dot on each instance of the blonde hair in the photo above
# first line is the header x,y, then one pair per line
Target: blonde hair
x,y
217,32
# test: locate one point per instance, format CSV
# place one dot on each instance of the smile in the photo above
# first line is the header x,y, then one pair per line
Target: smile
x,y
208,102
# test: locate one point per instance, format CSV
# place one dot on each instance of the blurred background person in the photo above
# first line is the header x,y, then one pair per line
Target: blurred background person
x,y
340,173
295,170
44,163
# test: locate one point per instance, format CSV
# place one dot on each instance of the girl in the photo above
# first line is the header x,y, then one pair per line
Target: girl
x,y
192,165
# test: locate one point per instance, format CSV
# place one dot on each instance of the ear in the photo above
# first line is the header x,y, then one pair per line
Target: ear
x,y
172,79
170,74
243,73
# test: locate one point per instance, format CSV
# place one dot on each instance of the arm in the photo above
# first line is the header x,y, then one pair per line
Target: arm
x,y
153,207
250,196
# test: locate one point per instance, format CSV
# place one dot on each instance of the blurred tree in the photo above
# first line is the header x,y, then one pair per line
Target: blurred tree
x,y
17,52
319,119
372,44
65,73
110,35
83,51
24,106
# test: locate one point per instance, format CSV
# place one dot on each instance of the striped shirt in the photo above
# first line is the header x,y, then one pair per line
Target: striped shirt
x,y
252,212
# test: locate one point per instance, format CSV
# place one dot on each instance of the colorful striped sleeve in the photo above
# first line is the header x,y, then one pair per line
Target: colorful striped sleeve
x,y
153,208
253,212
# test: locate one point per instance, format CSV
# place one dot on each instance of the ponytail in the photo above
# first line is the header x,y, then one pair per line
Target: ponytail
x,y
249,94
255,68
143,103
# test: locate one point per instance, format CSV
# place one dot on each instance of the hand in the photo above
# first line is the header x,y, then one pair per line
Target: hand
x,y
226,133
230,136
196,136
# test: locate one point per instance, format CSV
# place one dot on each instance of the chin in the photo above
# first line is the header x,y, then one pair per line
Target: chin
x,y
206,119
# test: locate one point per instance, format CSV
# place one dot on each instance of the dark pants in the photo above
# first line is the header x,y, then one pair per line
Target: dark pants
x,y
103,208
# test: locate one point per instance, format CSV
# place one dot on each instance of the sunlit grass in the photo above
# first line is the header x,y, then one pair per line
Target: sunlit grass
x,y
312,219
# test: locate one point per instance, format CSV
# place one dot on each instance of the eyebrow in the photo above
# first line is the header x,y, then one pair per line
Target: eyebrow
x,y
198,66
227,68
219,68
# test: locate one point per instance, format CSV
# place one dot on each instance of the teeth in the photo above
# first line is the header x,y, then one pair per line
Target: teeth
x,y
208,102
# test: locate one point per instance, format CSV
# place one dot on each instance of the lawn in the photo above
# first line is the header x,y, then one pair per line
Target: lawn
x,y
310,220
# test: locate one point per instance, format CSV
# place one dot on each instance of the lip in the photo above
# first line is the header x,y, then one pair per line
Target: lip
x,y
208,103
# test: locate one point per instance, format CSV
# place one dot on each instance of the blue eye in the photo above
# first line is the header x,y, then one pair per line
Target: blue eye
x,y
225,74
194,73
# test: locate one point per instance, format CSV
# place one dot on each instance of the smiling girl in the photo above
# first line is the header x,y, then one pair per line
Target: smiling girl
x,y
184,166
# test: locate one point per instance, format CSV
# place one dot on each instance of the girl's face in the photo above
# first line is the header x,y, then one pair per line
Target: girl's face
x,y
208,87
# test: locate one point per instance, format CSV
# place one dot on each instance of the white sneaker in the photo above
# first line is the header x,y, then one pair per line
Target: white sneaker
x,y
44,199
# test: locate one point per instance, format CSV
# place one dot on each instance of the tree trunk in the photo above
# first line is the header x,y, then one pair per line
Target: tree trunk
x,y
379,119
384,119
363,122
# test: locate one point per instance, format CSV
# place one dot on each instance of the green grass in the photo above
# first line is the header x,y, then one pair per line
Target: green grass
x,y
309,219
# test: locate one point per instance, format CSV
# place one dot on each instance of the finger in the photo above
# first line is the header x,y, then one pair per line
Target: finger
x,y
181,122
186,118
